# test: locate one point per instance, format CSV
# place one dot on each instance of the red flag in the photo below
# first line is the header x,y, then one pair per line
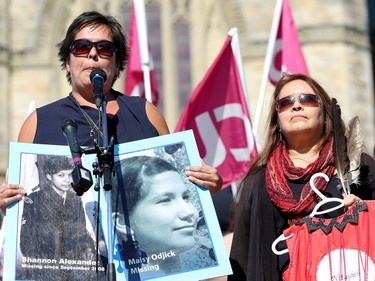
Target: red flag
x,y
287,54
134,79
218,115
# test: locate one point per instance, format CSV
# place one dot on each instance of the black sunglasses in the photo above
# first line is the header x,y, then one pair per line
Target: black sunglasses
x,y
308,100
82,47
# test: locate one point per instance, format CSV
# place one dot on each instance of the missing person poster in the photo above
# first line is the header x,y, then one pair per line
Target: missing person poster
x,y
165,227
51,234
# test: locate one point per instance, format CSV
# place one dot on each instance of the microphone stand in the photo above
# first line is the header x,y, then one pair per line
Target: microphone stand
x,y
106,168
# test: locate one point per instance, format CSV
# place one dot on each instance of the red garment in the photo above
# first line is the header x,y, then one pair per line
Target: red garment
x,y
339,249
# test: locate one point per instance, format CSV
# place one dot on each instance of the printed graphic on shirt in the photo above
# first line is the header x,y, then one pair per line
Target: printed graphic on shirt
x,y
355,265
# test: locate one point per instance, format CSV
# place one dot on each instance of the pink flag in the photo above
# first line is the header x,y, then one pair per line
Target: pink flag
x,y
287,55
218,115
134,79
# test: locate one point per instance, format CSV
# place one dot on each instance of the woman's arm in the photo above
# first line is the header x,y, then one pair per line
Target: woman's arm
x,y
156,118
28,129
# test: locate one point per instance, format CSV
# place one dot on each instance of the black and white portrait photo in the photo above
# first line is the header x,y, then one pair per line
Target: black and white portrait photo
x,y
157,214
55,241
162,226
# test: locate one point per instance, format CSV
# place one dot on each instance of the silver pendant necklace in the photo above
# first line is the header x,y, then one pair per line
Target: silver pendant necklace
x,y
93,125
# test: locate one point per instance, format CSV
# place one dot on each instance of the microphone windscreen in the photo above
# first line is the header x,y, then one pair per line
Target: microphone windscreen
x,y
68,122
98,73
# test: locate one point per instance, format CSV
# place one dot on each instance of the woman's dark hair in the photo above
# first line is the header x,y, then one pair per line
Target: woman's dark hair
x,y
131,173
95,19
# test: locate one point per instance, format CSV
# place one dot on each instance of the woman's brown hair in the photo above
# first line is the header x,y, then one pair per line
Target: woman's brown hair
x,y
273,134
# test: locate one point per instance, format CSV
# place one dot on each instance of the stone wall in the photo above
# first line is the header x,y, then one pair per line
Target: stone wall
x,y
334,37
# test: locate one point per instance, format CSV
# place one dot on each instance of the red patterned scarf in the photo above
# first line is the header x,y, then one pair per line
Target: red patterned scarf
x,y
280,168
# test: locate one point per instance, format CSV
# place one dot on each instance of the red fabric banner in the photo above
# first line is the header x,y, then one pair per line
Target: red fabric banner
x,y
218,115
287,55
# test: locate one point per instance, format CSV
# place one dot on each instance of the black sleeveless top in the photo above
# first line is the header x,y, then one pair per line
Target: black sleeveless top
x,y
129,124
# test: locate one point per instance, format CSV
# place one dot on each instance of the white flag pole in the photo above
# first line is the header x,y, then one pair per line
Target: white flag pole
x,y
235,44
267,63
236,48
140,16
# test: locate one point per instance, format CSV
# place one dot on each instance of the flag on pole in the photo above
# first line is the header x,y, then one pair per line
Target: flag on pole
x,y
287,52
218,115
140,76
284,53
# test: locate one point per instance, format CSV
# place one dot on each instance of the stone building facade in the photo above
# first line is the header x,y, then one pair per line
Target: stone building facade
x,y
185,37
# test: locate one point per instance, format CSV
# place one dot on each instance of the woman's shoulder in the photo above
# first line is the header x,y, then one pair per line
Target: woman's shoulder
x,y
253,181
368,160
365,189
56,108
367,169
144,111
56,104
256,176
133,105
130,100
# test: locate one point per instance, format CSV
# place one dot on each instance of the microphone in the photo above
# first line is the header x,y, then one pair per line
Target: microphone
x,y
69,128
98,77
82,180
